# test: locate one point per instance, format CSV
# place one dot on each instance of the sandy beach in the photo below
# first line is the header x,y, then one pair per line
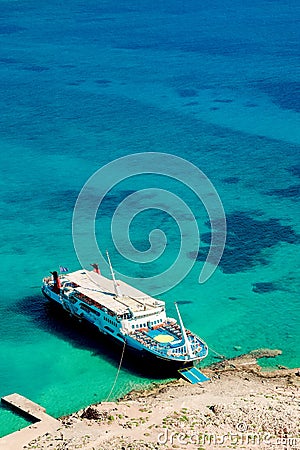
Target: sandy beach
x,y
241,406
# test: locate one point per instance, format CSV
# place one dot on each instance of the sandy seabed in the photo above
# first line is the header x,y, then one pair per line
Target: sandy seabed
x,y
241,407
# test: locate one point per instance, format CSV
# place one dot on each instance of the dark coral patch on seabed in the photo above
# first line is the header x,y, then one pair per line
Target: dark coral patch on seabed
x,y
246,239
264,287
231,180
221,100
285,94
292,192
103,82
34,68
295,170
187,92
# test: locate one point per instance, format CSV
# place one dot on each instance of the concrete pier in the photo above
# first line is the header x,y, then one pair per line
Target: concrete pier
x,y
43,423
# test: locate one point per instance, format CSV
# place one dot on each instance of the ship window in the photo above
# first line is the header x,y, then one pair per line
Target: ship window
x,y
109,329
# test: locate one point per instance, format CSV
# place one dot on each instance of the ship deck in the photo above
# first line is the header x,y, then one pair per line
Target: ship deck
x,y
169,337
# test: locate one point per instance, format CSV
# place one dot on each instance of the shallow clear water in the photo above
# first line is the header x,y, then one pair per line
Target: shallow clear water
x,y
83,83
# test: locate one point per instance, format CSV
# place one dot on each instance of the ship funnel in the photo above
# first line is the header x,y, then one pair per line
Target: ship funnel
x,y
116,286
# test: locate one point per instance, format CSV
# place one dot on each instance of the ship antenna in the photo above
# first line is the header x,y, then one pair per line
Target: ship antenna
x,y
185,338
116,286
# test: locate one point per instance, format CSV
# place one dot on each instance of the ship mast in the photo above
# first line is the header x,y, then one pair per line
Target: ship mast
x,y
185,338
116,286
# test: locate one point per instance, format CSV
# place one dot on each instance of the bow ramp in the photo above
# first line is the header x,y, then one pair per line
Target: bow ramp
x,y
193,375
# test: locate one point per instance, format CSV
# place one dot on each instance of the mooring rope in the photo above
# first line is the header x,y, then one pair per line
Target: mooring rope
x,y
218,354
119,368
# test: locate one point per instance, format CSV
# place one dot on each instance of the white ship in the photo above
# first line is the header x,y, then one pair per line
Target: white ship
x,y
127,315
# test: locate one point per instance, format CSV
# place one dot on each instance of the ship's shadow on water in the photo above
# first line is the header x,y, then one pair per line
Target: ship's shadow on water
x,y
51,318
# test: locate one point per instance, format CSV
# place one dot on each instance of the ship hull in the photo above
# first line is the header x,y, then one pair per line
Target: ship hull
x,y
136,359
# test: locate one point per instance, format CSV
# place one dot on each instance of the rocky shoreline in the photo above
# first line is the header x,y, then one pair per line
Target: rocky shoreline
x,y
241,406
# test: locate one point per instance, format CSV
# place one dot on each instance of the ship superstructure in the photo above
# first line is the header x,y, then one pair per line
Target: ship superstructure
x,y
126,315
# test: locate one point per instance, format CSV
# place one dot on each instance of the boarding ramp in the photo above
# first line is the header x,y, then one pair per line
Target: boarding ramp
x,y
193,375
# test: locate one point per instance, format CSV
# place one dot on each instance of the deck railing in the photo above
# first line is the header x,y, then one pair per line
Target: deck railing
x,y
198,347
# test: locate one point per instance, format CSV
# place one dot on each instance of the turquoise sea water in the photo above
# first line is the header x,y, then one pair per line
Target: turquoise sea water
x,y
83,83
